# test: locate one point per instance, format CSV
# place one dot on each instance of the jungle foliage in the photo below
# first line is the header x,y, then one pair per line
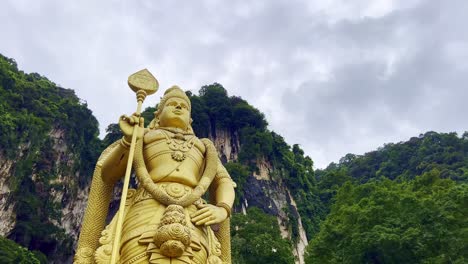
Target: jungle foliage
x,y
404,203
10,252
255,238
422,220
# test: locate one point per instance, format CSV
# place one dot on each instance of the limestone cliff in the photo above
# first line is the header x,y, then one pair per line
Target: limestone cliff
x,y
263,191
47,149
72,198
7,214
63,199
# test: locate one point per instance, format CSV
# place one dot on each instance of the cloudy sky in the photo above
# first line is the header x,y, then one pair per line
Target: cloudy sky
x,y
334,76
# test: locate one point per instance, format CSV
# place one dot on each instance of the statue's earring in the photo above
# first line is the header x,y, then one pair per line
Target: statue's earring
x,y
156,118
189,127
155,122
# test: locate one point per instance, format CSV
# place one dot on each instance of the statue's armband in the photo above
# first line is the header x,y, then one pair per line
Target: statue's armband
x,y
223,177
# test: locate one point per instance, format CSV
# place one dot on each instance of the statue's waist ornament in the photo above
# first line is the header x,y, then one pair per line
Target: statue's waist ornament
x,y
174,190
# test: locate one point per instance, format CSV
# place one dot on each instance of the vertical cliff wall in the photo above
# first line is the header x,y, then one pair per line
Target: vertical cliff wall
x,y
264,191
48,148
7,214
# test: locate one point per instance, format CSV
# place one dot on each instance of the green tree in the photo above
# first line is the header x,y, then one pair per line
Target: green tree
x,y
417,221
239,174
217,105
256,239
10,252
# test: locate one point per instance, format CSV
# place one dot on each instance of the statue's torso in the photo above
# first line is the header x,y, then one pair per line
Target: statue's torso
x,y
171,157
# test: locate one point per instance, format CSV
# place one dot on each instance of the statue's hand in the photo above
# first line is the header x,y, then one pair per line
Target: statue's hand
x,y
127,123
209,214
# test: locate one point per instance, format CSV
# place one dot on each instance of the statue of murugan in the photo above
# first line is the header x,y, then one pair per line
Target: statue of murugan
x,y
168,218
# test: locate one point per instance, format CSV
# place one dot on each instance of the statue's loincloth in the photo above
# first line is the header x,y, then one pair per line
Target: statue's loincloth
x,y
143,217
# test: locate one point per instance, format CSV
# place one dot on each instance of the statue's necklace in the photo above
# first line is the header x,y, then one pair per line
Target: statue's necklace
x,y
179,145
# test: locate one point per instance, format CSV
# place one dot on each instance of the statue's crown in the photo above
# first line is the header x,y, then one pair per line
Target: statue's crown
x,y
174,91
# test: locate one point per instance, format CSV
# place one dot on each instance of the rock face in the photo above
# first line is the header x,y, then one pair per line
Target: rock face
x,y
262,191
227,144
62,189
7,214
302,241
7,204
72,198
48,137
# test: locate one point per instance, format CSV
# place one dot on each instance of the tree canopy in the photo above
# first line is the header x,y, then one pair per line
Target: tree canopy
x,y
256,239
418,221
403,203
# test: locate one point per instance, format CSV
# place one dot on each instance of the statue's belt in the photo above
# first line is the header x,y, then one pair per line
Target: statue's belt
x,y
172,189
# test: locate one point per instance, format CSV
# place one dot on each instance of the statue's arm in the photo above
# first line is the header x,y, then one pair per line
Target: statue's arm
x,y
222,197
96,210
114,165
223,187
110,167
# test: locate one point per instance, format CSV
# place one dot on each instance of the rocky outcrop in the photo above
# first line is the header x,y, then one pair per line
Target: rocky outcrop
x,y
61,189
227,143
7,204
302,242
68,194
264,192
274,198
264,170
7,214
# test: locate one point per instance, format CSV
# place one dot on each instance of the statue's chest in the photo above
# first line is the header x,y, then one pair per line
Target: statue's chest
x,y
177,147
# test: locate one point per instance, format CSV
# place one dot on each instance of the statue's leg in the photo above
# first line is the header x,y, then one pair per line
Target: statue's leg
x,y
103,253
142,218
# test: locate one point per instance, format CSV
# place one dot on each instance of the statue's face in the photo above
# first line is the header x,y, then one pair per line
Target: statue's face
x,y
175,114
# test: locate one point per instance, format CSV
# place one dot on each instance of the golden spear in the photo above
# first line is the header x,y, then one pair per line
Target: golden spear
x,y
142,83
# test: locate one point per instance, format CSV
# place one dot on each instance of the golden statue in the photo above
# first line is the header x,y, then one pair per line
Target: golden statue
x,y
165,220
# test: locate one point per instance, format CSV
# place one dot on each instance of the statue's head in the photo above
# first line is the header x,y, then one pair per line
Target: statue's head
x,y
173,110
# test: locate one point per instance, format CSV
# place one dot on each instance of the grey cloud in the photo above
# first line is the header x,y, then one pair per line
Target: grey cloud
x,y
328,76
425,91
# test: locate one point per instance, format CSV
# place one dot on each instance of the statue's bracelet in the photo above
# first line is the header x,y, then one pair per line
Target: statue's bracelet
x,y
225,206
124,142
